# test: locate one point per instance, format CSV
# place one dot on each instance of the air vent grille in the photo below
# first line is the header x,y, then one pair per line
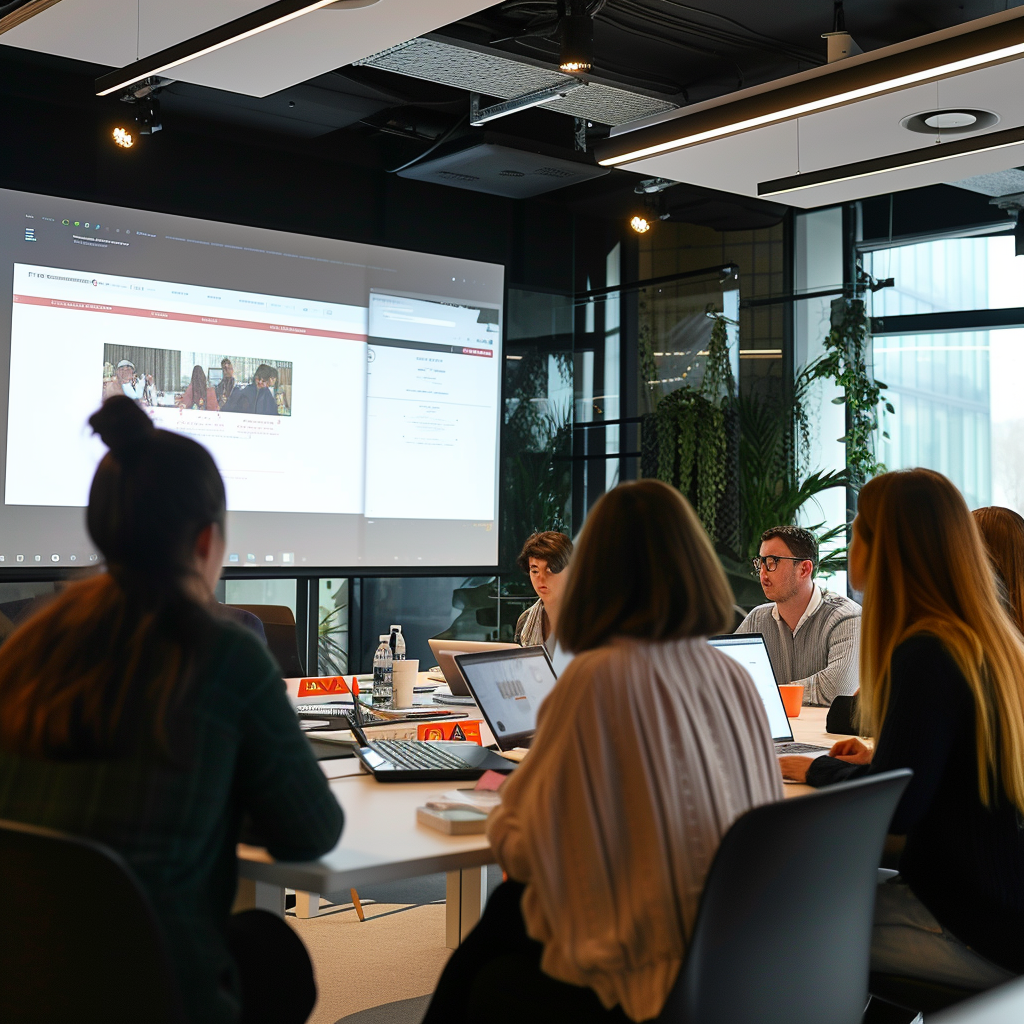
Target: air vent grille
x,y
503,77
453,176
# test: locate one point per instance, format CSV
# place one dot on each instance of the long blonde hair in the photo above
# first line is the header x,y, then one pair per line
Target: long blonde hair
x,y
928,572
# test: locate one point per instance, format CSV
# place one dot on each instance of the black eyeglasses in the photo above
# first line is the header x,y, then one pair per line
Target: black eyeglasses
x,y
771,562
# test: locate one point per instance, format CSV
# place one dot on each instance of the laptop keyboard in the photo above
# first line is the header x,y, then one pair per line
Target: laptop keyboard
x,y
798,748
415,754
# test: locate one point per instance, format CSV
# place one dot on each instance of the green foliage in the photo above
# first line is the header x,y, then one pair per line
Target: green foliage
x,y
845,364
691,426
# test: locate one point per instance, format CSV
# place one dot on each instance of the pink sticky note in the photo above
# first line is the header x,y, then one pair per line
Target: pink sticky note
x,y
490,780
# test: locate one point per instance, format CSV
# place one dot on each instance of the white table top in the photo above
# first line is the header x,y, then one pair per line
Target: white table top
x,y
382,840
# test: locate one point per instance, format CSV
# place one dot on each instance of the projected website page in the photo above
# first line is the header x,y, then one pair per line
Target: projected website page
x,y
348,393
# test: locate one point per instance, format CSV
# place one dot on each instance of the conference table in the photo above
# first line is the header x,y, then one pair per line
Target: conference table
x,y
383,842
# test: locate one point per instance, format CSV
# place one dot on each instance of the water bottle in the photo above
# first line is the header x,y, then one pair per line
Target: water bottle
x,y
383,691
397,643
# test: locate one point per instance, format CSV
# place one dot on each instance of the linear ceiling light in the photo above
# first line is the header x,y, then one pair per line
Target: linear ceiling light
x,y
224,35
839,84
895,162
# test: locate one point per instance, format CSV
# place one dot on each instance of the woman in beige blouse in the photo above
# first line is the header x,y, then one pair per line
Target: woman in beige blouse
x,y
650,745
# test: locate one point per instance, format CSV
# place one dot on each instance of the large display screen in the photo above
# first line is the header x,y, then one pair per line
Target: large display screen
x,y
349,393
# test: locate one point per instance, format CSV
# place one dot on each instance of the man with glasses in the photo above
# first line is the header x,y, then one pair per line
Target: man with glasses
x,y
812,635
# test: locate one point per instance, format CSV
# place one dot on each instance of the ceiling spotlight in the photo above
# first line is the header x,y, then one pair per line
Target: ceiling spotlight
x,y
147,115
641,225
123,138
576,32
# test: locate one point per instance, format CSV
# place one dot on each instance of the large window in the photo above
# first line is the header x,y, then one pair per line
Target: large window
x,y
952,382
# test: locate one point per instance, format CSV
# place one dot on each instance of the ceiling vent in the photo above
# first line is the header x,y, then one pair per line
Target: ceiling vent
x,y
489,164
475,69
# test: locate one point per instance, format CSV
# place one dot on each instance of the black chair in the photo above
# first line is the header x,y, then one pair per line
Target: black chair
x,y
79,942
784,927
282,639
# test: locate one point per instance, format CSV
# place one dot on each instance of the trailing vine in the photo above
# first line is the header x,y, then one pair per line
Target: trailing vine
x,y
845,363
691,426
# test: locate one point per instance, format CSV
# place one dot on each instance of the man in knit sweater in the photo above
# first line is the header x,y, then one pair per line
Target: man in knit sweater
x,y
812,635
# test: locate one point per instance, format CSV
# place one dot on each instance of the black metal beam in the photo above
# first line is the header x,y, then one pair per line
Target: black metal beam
x,y
955,320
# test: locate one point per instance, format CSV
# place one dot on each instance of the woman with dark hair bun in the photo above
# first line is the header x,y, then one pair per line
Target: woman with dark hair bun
x,y
132,714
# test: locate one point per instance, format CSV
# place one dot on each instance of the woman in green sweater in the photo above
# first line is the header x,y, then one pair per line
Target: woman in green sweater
x,y
132,714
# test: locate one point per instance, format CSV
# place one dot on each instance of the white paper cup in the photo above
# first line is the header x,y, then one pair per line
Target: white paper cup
x,y
403,678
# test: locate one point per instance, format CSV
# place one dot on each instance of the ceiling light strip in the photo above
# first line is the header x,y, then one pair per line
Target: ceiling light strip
x,y
991,45
198,46
896,162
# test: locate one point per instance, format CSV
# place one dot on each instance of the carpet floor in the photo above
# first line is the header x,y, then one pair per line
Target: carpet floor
x,y
381,970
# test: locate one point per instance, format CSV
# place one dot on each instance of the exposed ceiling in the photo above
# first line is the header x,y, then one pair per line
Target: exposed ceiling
x,y
299,81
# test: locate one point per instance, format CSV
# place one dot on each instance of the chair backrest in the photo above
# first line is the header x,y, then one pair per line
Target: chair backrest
x,y
79,941
784,927
279,625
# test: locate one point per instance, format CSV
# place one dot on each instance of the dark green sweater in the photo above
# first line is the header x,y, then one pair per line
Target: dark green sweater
x,y
177,825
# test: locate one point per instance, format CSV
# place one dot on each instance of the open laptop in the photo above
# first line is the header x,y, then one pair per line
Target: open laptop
x,y
444,652
509,687
422,761
750,651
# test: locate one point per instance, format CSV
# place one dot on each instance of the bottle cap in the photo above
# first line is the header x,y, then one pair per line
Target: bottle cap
x,y
396,629
384,637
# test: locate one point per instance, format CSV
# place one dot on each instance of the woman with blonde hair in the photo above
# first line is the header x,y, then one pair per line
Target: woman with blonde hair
x,y
649,747
1002,529
942,692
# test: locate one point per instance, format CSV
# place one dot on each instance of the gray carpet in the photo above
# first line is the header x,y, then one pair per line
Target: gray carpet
x,y
404,1011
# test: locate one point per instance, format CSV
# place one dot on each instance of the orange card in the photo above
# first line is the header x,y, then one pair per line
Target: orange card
x,y
449,731
324,684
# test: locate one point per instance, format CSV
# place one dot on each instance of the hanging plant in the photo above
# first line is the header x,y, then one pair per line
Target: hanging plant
x,y
845,364
691,431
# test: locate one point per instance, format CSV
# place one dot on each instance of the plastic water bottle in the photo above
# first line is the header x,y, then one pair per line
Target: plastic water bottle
x,y
383,689
397,643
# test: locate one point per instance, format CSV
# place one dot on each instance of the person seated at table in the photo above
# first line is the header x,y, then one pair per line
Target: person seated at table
x,y
543,558
647,749
132,713
198,394
1002,530
942,693
811,634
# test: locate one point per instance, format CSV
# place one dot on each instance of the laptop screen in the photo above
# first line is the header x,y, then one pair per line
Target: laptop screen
x,y
509,687
750,651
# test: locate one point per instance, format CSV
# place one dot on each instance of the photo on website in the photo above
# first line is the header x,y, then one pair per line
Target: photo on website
x,y
216,382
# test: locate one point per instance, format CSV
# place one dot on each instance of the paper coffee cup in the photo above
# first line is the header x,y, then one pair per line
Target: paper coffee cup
x,y
403,678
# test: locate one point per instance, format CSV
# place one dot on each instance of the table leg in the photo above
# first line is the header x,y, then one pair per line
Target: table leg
x,y
307,904
465,895
252,895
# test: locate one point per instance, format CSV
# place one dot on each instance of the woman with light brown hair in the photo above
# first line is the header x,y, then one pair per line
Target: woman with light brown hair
x,y
648,748
941,692
1002,529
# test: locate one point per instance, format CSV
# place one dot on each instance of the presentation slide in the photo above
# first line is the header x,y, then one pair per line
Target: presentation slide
x,y
350,394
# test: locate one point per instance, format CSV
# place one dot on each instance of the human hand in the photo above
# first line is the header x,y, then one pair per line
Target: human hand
x,y
852,751
795,768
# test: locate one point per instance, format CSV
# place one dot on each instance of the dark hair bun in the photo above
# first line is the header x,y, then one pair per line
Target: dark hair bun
x,y
122,426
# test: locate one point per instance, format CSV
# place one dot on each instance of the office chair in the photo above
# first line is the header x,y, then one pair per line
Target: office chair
x,y
279,625
79,941
784,927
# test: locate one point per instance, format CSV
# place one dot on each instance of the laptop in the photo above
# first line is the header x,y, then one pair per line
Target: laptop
x,y
444,652
420,761
750,651
509,687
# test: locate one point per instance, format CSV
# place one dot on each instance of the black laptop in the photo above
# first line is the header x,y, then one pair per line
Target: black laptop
x,y
422,761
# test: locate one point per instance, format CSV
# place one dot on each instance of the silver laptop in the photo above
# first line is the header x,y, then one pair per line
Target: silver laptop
x,y
750,651
509,687
444,652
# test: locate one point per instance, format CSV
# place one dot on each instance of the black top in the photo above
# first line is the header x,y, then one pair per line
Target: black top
x,y
964,861
177,824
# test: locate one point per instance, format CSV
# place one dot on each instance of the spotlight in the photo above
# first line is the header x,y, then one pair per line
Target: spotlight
x,y
576,29
123,138
147,115
641,225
